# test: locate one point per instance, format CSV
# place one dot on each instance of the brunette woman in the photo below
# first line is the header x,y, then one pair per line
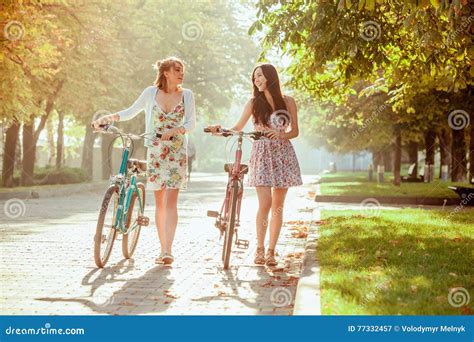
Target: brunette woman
x,y
273,166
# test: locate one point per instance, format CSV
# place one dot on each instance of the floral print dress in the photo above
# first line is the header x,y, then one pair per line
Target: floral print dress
x,y
273,162
167,160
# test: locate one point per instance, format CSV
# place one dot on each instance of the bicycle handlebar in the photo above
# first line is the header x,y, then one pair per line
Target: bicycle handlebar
x,y
227,133
111,129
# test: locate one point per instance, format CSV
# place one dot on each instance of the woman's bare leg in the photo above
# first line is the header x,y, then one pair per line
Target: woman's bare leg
x,y
276,221
171,220
264,194
160,215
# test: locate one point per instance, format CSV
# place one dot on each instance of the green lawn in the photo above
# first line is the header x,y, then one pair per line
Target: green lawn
x,y
398,262
357,184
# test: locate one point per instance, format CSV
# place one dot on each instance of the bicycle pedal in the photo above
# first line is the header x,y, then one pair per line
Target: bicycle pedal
x,y
243,244
143,221
212,213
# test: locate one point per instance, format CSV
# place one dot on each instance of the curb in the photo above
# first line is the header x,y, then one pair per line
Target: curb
x,y
60,190
308,292
390,199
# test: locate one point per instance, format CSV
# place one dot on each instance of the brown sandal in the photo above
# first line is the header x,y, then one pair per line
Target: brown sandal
x,y
260,256
270,259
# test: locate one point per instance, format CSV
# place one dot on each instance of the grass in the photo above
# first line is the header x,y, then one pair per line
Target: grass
x,y
42,187
399,262
357,184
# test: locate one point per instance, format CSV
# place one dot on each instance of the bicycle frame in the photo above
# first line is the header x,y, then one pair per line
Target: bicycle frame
x,y
121,180
235,179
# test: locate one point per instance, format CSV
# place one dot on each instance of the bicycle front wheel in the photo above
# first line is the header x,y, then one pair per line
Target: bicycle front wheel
x,y
105,231
229,232
130,239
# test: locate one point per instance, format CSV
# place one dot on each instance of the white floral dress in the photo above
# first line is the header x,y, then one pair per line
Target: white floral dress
x,y
167,160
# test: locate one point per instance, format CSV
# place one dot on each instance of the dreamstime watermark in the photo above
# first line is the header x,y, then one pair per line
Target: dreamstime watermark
x,y
14,30
278,211
25,110
465,199
458,296
370,207
371,118
193,207
370,30
192,30
466,23
370,296
458,119
281,297
14,208
281,119
46,330
96,35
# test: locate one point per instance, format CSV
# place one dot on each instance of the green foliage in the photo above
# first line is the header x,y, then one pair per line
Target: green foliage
x,y
355,57
50,175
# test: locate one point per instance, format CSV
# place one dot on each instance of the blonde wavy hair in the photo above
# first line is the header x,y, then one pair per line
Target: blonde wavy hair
x,y
165,65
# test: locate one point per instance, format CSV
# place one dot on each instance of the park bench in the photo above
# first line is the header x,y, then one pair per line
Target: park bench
x,y
466,194
412,175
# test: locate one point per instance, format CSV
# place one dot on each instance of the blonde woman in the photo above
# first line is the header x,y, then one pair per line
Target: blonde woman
x,y
169,110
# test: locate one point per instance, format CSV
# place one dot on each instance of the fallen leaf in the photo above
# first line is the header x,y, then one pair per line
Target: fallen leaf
x,y
126,303
169,295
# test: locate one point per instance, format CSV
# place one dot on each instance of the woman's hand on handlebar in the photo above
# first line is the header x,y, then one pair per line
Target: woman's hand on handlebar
x,y
213,128
105,120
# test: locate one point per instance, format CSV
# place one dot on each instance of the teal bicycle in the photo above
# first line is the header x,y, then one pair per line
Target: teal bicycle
x,y
123,205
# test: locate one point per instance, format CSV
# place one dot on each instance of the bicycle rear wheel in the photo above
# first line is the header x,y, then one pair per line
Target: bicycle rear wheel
x,y
106,233
130,240
229,231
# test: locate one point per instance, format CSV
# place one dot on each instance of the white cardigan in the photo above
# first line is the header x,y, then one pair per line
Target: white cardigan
x,y
146,101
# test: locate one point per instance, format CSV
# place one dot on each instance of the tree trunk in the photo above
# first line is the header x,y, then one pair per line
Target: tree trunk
x,y
387,159
11,139
376,159
430,140
50,131
60,142
398,157
106,159
471,151
87,162
31,136
458,156
29,154
413,157
445,150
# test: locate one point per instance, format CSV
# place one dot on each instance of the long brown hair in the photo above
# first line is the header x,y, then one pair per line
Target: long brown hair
x,y
162,66
261,109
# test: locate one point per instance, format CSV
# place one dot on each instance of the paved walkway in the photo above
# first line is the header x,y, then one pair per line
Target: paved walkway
x,y
47,265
